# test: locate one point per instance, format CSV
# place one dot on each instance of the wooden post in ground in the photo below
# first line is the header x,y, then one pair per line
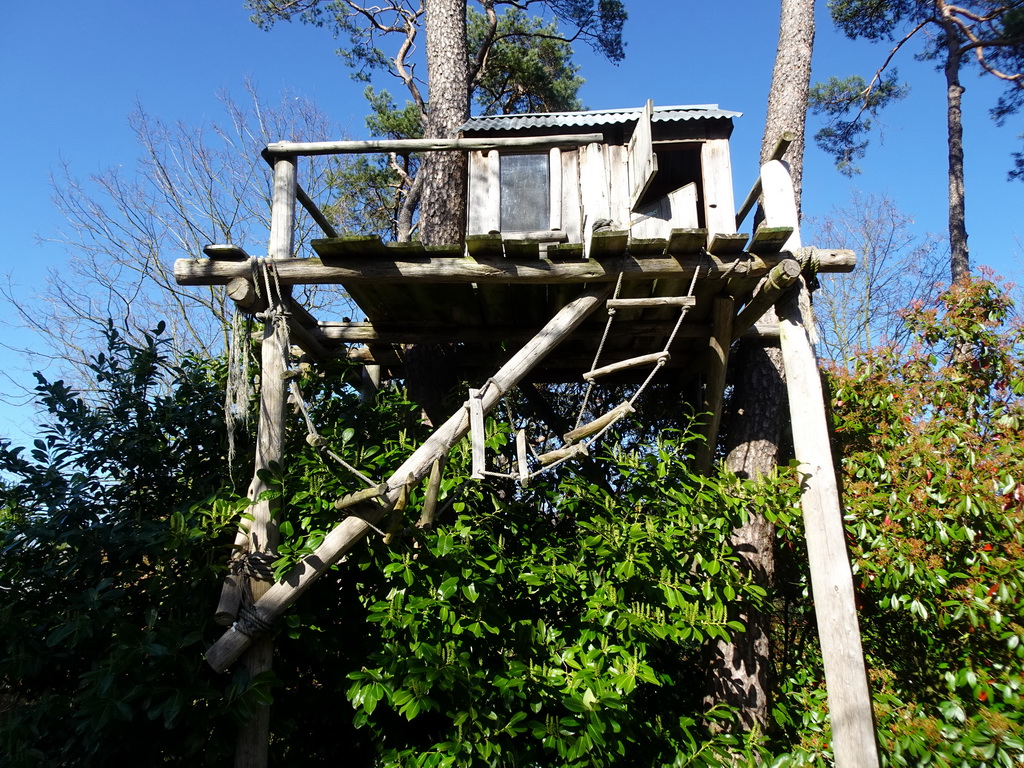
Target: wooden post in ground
x,y
849,697
854,742
251,750
350,531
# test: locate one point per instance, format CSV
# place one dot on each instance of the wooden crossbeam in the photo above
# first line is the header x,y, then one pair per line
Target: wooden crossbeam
x,y
424,333
446,269
768,292
305,148
652,301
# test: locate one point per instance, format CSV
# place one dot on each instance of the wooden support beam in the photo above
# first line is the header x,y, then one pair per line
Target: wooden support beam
x,y
304,148
714,386
251,749
849,698
351,530
768,292
755,191
424,333
652,301
360,497
854,742
497,270
477,435
522,458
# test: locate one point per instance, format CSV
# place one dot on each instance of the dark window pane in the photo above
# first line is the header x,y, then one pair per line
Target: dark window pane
x,y
524,193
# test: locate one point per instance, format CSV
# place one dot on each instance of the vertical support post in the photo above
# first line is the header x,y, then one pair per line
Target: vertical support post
x,y
718,352
251,750
282,211
555,188
476,434
522,465
849,698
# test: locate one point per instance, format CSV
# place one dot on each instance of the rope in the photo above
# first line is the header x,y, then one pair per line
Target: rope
x,y
255,565
597,355
250,623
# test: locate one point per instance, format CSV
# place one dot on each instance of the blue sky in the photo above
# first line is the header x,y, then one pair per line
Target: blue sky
x,y
73,72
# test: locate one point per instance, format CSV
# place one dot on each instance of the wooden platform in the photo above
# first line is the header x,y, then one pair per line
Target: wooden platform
x,y
487,304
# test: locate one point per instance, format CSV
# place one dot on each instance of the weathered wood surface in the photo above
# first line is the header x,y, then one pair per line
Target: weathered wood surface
x,y
719,205
305,148
623,365
779,202
854,742
714,388
425,333
772,287
652,301
227,251
640,158
595,426
282,210
723,244
562,454
849,698
769,239
251,749
685,240
755,191
477,434
494,270
351,530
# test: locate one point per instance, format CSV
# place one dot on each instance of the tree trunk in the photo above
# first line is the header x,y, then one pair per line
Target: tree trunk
x,y
443,207
791,79
740,670
959,258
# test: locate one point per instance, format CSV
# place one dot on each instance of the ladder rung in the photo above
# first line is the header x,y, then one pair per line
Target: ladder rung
x,y
653,301
568,452
623,365
599,423
359,496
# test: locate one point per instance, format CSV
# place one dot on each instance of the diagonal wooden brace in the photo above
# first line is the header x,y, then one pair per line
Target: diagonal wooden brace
x,y
351,530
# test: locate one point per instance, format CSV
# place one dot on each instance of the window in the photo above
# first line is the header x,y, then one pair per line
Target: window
x,y
525,196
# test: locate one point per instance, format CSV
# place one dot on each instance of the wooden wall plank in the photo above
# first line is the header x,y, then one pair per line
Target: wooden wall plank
x,y
719,205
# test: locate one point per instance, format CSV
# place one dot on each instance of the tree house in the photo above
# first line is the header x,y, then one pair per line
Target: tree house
x,y
610,236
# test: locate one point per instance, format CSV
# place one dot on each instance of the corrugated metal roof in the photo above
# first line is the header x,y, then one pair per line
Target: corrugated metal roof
x,y
594,118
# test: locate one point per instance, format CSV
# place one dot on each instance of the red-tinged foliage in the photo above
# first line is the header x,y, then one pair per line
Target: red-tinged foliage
x,y
930,445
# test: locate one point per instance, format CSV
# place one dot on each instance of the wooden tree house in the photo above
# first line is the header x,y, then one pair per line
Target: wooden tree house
x,y
571,217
